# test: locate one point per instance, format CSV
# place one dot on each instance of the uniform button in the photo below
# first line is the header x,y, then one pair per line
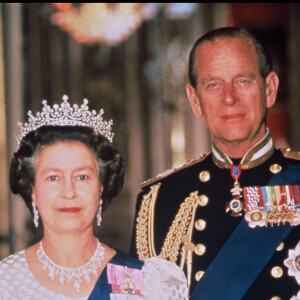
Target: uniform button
x,y
204,176
200,249
199,275
203,200
277,272
280,247
275,168
275,298
200,224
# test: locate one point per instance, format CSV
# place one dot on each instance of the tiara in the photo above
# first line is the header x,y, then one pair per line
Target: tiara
x,y
65,115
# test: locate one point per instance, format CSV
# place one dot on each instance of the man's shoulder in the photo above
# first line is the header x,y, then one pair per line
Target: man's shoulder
x,y
290,153
174,171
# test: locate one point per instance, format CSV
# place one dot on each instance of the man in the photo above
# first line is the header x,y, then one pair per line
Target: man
x,y
230,217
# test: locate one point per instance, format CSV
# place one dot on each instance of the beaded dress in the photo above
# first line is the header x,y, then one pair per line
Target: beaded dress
x,y
161,280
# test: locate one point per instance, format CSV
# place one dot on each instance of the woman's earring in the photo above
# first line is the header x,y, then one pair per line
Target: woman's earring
x,y
35,215
99,213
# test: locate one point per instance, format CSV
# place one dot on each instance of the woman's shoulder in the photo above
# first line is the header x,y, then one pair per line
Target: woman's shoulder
x,y
14,272
16,260
18,282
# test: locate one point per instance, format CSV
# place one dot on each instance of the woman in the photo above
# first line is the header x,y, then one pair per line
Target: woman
x,y
65,170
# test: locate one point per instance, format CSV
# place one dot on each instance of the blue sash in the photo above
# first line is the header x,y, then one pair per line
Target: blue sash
x,y
245,254
102,288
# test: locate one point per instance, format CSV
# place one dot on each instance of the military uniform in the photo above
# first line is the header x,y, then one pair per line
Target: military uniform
x,y
181,216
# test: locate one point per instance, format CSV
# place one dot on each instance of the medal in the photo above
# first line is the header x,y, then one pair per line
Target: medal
x,y
125,282
235,206
272,205
293,263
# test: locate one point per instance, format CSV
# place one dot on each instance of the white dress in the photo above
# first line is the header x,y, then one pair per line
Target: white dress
x,y
162,280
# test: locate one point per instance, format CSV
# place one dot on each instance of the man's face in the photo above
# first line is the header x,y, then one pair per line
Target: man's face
x,y
230,91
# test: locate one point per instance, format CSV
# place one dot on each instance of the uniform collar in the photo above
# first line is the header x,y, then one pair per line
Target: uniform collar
x,y
255,156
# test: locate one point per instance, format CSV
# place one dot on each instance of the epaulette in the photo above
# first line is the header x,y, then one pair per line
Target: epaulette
x,y
288,153
166,173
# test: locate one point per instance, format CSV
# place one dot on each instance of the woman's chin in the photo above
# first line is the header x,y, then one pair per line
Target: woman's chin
x,y
71,226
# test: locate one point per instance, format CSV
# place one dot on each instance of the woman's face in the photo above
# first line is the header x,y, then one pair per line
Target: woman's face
x,y
67,188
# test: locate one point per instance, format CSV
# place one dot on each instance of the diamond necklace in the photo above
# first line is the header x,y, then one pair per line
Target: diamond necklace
x,y
72,274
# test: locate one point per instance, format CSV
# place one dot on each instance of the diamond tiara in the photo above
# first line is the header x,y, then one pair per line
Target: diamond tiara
x,y
65,115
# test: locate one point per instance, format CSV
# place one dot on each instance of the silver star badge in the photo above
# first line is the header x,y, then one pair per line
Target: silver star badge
x,y
293,263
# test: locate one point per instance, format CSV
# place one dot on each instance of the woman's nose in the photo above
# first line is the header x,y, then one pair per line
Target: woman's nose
x,y
69,190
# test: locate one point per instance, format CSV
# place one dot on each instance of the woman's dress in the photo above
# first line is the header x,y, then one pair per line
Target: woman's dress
x,y
123,278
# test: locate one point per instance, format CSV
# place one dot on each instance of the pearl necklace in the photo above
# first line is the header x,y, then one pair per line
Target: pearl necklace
x,y
72,274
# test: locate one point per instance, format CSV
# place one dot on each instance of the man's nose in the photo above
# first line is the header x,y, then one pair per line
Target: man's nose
x,y
69,189
230,96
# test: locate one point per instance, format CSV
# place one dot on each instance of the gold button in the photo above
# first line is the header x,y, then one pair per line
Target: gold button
x,y
204,176
203,200
200,249
280,247
276,272
275,168
200,224
199,275
275,298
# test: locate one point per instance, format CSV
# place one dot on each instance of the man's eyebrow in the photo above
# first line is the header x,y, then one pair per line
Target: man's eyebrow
x,y
251,75
207,78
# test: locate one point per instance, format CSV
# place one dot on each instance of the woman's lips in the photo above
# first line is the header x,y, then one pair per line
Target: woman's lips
x,y
70,209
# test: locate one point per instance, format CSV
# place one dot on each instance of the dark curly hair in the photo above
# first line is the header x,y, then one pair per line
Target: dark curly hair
x,y
110,162
264,60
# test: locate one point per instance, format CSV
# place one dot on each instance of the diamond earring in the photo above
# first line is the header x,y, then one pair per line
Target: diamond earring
x,y
35,215
99,213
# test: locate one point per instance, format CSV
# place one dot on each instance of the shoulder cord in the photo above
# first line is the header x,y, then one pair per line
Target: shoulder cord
x,y
179,232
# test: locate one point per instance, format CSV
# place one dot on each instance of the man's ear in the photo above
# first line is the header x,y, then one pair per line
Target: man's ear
x,y
272,83
194,100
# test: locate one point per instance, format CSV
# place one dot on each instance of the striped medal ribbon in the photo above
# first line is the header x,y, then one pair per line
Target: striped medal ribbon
x,y
279,204
235,205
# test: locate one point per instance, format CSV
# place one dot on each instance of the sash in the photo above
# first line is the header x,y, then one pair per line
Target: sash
x,y
244,254
102,289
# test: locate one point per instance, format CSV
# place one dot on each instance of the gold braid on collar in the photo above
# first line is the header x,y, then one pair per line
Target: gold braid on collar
x,y
255,156
178,229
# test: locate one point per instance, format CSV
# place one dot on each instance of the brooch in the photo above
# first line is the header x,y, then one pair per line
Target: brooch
x,y
125,282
